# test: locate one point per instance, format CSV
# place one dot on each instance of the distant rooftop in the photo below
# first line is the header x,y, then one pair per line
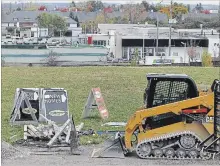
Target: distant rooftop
x,y
30,16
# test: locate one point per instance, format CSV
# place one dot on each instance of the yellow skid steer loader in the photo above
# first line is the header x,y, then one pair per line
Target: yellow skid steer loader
x,y
176,122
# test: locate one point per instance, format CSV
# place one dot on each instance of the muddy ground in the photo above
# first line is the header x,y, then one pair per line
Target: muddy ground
x,y
30,156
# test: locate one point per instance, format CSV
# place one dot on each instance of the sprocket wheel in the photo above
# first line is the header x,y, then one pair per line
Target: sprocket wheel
x,y
143,150
187,141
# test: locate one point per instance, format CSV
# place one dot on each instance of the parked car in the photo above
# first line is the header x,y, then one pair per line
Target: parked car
x,y
10,42
55,41
47,37
43,41
16,37
8,36
4,42
19,41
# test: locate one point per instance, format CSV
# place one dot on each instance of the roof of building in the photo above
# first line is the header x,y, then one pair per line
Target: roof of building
x,y
161,36
83,16
31,16
200,15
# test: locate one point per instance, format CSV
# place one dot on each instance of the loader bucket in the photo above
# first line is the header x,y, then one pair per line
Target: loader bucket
x,y
111,148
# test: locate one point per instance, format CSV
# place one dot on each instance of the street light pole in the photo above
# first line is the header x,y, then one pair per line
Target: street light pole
x,y
184,52
143,45
170,28
158,32
60,36
157,37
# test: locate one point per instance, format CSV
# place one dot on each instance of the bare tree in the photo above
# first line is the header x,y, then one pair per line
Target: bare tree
x,y
51,59
191,53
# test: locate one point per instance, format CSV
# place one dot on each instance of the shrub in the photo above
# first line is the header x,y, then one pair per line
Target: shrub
x,y
10,29
206,59
134,60
51,60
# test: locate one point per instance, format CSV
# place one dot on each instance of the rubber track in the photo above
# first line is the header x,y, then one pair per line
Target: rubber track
x,y
170,136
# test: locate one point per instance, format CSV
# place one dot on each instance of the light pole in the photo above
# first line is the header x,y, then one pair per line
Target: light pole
x,y
184,51
157,37
60,36
158,31
143,44
170,27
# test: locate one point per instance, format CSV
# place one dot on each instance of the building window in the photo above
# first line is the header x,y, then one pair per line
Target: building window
x,y
99,42
15,19
26,19
125,53
148,51
95,42
161,52
32,34
83,41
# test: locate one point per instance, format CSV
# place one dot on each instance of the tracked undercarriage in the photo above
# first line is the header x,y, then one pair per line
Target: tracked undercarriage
x,y
182,145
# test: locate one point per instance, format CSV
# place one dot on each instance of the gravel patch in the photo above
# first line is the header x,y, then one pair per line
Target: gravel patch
x,y
63,157
10,152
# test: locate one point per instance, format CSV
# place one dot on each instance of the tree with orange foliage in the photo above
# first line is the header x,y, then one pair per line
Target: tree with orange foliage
x,y
177,10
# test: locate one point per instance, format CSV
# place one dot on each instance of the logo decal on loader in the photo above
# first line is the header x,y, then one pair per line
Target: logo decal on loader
x,y
57,113
209,119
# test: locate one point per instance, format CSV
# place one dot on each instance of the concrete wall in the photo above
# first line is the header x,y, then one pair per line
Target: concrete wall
x,y
118,47
75,33
11,24
73,25
214,46
63,58
105,28
40,32
65,54
112,42
28,33
100,37
4,25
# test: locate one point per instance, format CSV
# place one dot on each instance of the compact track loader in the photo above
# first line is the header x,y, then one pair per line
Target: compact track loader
x,y
177,121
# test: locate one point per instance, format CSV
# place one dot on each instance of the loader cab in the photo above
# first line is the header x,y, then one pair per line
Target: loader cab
x,y
168,88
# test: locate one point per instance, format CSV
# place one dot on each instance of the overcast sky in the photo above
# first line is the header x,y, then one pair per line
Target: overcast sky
x,y
211,2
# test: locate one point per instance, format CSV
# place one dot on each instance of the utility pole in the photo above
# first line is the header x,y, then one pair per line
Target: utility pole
x,y
60,36
157,37
171,3
10,7
143,44
158,32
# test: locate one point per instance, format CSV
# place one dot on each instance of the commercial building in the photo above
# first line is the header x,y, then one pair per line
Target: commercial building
x,y
127,41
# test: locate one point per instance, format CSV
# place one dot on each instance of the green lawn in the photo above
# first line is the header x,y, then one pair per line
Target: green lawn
x,y
122,88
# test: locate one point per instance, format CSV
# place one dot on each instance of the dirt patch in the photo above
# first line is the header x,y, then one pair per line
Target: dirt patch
x,y
62,157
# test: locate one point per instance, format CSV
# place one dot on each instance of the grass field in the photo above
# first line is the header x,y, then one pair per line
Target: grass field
x,y
122,88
